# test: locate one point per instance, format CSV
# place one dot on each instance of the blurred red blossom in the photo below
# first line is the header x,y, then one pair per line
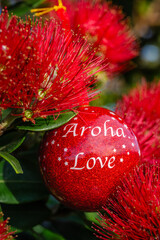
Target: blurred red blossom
x,y
105,26
141,111
133,212
43,70
5,233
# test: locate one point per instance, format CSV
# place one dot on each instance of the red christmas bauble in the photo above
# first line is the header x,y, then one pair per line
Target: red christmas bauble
x,y
83,161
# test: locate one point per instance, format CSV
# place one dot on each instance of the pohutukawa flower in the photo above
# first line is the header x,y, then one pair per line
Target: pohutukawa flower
x,y
133,212
44,70
5,233
105,26
141,111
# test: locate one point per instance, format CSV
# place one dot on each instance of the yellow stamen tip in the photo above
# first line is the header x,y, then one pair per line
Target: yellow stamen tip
x,y
42,11
56,8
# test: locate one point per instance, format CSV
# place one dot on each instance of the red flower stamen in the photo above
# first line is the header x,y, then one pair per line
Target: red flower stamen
x,y
132,213
143,116
104,26
5,233
44,70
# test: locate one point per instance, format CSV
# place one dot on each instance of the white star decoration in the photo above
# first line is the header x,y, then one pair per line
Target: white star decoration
x,y
65,149
139,153
66,163
121,159
53,142
128,153
123,146
114,150
59,159
133,144
112,113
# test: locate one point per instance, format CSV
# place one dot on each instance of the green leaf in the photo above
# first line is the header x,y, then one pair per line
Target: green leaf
x,y
92,217
13,161
26,216
21,8
36,3
5,113
72,227
48,123
26,187
10,141
47,234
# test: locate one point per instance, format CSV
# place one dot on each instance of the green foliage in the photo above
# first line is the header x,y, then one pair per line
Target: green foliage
x,y
28,187
24,197
47,124
10,141
26,216
5,113
13,161
73,226
23,7
47,234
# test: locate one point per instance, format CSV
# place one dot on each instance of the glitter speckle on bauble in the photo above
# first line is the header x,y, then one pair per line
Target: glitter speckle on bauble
x,y
83,161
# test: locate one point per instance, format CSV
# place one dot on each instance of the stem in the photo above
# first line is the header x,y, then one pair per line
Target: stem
x,y
6,123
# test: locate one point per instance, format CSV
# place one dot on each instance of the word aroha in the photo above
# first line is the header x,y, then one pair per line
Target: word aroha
x,y
75,130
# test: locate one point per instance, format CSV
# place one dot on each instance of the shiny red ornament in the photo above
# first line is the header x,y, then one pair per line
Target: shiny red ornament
x,y
83,161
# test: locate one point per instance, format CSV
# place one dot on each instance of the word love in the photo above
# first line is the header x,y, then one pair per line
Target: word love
x,y
75,130
91,162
